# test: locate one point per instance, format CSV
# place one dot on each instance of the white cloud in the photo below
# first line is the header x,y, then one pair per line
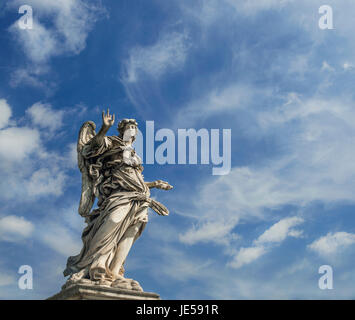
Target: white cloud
x,y
26,166
71,218
348,66
297,109
73,155
5,113
243,193
39,43
71,23
211,231
17,143
299,64
30,77
45,182
60,239
210,13
247,255
45,117
280,284
59,28
316,167
197,275
252,7
327,67
13,228
168,54
177,265
315,164
332,243
273,236
229,100
280,231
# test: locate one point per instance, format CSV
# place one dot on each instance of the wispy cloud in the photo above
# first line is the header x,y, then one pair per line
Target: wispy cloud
x,y
149,64
5,113
252,7
45,171
167,54
71,22
282,85
17,143
272,237
13,228
227,100
218,231
314,163
60,239
179,265
44,182
43,116
332,243
38,44
278,232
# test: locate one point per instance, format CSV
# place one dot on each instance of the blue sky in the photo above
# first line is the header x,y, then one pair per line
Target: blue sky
x,y
262,68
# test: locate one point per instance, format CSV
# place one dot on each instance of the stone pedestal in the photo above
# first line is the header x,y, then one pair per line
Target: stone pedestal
x,y
96,292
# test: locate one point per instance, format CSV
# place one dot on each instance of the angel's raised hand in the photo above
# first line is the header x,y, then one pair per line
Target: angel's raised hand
x,y
107,119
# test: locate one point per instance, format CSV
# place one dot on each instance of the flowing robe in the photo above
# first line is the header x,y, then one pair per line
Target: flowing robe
x,y
123,201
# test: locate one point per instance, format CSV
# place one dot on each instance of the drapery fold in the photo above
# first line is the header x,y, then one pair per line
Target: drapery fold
x,y
123,201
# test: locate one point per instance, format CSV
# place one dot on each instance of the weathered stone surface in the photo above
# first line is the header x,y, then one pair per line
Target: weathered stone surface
x,y
96,292
112,174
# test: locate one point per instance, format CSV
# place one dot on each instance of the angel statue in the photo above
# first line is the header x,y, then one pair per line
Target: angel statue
x,y
112,173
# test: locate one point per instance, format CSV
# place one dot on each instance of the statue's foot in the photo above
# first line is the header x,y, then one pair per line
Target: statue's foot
x,y
125,283
136,286
119,277
103,282
121,283
76,278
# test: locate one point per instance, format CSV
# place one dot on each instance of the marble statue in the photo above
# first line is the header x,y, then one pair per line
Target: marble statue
x,y
112,173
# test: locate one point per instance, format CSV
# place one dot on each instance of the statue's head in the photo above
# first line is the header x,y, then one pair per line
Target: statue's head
x,y
127,129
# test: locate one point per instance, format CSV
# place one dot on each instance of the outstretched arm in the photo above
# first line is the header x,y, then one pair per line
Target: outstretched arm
x,y
107,122
150,185
159,184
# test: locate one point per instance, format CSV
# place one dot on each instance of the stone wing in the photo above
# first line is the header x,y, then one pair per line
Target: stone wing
x,y
86,133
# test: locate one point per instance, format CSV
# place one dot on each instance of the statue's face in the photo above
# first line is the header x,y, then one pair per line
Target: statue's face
x,y
129,132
